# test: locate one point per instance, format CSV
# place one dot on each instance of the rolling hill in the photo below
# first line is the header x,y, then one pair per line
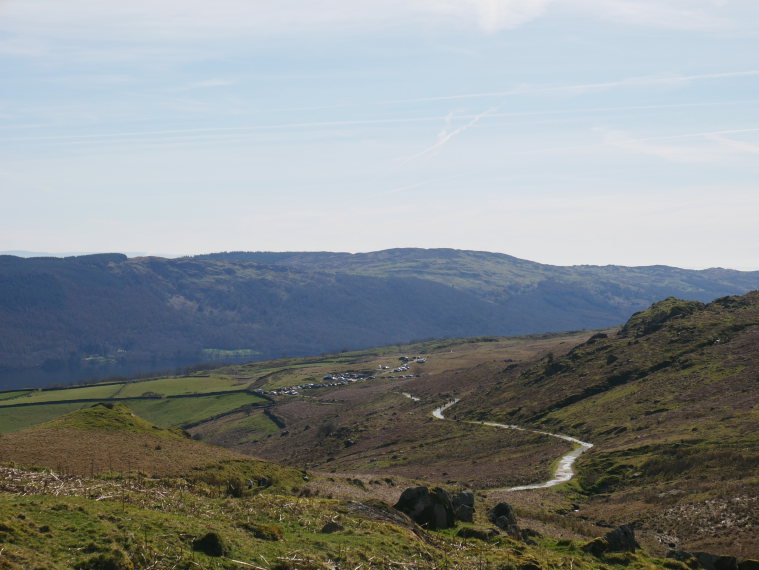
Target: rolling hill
x,y
111,438
671,402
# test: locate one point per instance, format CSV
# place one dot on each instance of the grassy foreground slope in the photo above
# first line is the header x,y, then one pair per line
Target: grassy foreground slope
x,y
672,403
192,508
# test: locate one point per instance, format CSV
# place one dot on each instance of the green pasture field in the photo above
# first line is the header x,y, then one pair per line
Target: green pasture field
x,y
17,419
165,412
223,353
176,412
181,385
294,375
163,386
6,395
248,428
94,391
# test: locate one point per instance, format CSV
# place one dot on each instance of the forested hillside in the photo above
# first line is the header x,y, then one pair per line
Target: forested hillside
x,y
78,317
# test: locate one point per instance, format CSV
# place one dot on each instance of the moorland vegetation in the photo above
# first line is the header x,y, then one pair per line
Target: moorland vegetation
x,y
669,401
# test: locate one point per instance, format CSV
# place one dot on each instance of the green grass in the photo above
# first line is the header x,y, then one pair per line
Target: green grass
x,y
6,395
163,412
108,417
164,386
84,530
95,391
181,385
297,374
222,353
17,419
248,429
153,523
280,478
182,411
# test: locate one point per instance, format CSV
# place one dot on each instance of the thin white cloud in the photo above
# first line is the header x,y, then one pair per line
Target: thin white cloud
x,y
222,130
643,81
363,198
210,83
26,47
491,15
671,153
225,133
677,14
408,187
176,19
581,88
703,150
194,19
738,146
702,134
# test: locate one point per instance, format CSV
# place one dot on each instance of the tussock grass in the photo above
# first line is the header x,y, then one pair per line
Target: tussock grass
x,y
57,522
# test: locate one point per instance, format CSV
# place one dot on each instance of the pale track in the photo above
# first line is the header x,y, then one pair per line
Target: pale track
x,y
564,470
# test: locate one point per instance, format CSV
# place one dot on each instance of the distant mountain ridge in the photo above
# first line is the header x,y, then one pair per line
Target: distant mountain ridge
x,y
67,318
480,270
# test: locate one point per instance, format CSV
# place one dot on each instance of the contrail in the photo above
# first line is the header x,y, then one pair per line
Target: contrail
x,y
212,130
408,187
707,134
445,135
397,190
221,133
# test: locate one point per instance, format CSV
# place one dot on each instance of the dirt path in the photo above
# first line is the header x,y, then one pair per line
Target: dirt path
x,y
564,471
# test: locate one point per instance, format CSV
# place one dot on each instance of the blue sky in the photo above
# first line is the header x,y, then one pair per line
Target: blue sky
x,y
562,131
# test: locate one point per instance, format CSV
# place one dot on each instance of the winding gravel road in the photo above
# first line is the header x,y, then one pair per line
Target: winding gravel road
x,y
564,471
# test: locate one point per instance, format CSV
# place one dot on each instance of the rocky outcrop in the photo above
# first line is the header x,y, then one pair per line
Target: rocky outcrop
x,y
621,539
707,561
685,557
654,318
430,509
463,506
715,562
331,527
504,518
211,544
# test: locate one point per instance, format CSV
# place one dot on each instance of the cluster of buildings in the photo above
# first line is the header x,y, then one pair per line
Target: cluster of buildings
x,y
405,363
344,378
329,380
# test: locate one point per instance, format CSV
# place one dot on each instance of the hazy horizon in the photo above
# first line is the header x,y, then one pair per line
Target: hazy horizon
x,y
136,254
